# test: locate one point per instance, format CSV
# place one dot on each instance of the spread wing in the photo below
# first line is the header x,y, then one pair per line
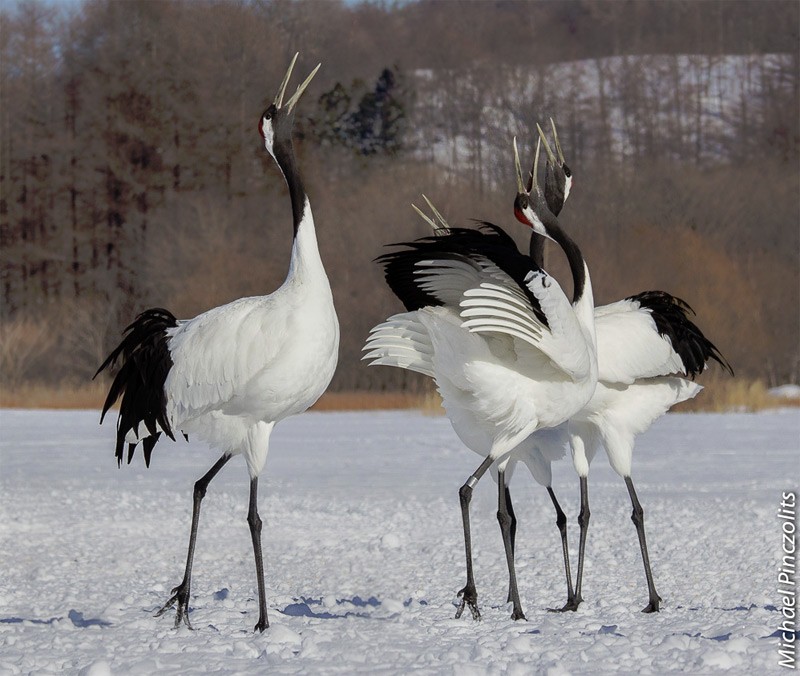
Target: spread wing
x,y
401,341
502,308
497,290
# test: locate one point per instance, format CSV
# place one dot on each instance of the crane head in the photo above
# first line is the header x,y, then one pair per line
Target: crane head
x,y
557,175
530,202
275,125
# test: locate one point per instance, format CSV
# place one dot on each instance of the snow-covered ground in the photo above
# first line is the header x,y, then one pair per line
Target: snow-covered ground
x,y
363,552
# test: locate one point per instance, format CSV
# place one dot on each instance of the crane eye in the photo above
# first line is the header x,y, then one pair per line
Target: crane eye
x,y
567,171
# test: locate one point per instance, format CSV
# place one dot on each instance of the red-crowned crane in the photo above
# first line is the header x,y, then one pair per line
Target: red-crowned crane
x,y
230,374
645,343
509,352
537,452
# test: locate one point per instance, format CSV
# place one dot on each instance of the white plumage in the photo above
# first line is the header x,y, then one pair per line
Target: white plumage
x,y
230,374
259,359
638,361
629,346
640,368
644,344
508,351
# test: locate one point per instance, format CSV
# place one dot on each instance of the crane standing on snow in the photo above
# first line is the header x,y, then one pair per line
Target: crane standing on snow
x,y
230,374
645,343
509,352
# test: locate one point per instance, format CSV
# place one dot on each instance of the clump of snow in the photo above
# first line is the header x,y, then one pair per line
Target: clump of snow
x,y
390,541
363,552
785,391
99,668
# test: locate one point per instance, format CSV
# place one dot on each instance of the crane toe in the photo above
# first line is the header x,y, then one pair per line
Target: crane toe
x,y
571,605
179,599
653,606
469,598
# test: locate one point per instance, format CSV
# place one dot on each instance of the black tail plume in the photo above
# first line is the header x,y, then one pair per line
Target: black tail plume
x,y
671,315
146,362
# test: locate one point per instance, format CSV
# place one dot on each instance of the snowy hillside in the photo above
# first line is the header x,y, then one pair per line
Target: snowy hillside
x,y
690,106
363,553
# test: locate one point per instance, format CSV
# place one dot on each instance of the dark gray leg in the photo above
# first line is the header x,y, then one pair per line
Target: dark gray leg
x,y
469,595
513,516
180,594
255,533
638,520
510,510
505,521
561,522
583,522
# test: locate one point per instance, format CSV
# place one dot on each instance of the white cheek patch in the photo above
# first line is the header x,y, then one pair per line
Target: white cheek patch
x,y
536,223
567,187
269,136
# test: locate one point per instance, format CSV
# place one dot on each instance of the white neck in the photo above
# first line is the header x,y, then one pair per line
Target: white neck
x,y
584,308
305,262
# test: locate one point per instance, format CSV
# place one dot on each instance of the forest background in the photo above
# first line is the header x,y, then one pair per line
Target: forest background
x,y
132,174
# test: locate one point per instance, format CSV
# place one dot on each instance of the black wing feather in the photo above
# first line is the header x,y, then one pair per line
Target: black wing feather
x,y
490,242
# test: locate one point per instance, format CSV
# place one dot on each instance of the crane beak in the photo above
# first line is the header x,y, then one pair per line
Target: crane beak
x,y
524,208
292,102
534,182
518,169
550,155
282,89
296,96
438,223
558,145
442,223
425,218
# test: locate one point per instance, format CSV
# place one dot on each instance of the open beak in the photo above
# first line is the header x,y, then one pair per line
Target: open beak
x,y
518,169
522,205
296,96
282,89
558,145
550,155
292,102
533,183
439,228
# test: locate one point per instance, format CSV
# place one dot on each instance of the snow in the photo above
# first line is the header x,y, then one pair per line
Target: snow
x,y
785,391
363,552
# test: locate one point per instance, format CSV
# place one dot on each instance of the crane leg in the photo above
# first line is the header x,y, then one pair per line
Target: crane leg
x,y
638,520
506,520
561,522
513,529
254,520
180,594
583,522
469,595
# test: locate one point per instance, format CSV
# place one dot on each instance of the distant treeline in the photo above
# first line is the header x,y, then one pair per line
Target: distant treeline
x,y
132,175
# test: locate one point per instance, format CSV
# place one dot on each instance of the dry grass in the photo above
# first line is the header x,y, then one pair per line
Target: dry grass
x,y
367,401
92,395
22,342
721,394
33,395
